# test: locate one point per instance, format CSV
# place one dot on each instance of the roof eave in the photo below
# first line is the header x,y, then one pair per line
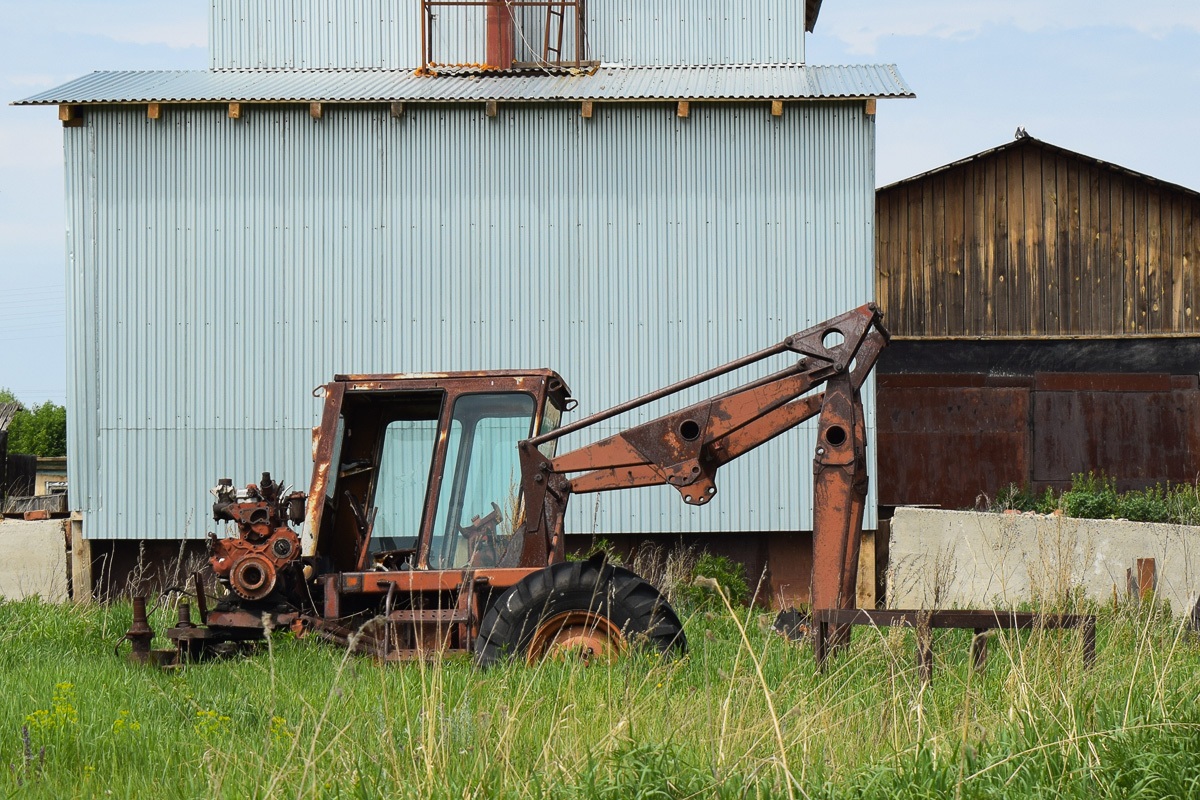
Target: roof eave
x,y
812,9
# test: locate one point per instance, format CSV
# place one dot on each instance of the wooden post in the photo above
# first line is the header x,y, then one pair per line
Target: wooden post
x,y
69,116
682,109
585,110
397,110
491,108
866,572
235,110
870,106
776,108
81,561
315,110
154,111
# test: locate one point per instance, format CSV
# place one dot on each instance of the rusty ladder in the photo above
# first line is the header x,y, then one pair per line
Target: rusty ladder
x,y
554,10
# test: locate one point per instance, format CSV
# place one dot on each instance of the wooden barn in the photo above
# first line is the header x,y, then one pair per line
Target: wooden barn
x,y
1044,306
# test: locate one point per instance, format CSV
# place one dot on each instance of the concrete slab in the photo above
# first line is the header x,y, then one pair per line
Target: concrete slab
x,y
33,559
981,560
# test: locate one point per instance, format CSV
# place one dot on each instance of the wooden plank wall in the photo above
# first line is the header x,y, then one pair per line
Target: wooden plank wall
x,y
1033,241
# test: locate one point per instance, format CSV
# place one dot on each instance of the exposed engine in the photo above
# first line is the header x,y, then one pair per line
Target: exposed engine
x,y
264,557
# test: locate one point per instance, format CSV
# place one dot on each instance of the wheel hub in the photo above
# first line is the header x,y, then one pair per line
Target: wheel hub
x,y
585,635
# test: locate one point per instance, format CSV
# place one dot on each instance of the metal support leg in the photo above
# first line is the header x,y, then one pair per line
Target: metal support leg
x,y
925,654
979,649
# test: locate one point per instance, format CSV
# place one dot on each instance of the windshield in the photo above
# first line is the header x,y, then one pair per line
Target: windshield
x,y
403,476
479,508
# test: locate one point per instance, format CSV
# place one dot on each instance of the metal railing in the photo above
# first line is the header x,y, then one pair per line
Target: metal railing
x,y
502,29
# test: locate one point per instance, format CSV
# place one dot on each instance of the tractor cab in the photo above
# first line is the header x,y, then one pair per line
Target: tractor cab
x,y
421,471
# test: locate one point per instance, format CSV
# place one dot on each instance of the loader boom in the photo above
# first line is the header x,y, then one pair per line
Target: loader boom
x,y
685,448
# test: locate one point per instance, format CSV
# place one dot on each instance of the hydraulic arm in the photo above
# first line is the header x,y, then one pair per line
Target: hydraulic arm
x,y
685,448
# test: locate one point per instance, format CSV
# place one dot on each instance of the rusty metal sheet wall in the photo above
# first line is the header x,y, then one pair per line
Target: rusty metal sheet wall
x,y
946,439
220,269
947,444
385,34
1143,431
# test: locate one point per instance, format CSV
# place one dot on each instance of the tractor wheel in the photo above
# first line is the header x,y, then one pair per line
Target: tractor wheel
x,y
586,609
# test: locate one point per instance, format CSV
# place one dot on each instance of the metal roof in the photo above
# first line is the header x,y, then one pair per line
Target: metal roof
x,y
1025,140
605,83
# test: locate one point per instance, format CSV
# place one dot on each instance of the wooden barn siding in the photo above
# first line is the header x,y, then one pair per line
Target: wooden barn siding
x,y
1034,242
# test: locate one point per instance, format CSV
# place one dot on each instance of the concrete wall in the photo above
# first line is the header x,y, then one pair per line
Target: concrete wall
x,y
33,559
969,559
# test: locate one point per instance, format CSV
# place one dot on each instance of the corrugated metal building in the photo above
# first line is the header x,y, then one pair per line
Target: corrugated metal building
x,y
310,205
1044,306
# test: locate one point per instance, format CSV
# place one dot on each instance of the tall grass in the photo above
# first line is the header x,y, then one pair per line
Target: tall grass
x,y
746,714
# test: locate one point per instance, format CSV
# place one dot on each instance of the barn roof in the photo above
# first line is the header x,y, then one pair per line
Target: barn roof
x,y
812,9
1029,141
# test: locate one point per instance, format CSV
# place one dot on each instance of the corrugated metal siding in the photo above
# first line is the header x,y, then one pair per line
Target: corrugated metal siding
x,y
220,269
606,84
386,33
696,31
314,34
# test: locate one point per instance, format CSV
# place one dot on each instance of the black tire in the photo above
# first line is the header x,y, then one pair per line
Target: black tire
x,y
631,605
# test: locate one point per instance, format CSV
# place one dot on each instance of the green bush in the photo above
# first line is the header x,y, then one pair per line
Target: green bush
x,y
730,574
1093,496
1090,497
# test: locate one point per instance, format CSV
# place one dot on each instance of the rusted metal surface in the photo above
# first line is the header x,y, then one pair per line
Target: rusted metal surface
x,y
827,621
139,635
946,444
501,44
1137,428
585,635
265,554
1142,579
951,440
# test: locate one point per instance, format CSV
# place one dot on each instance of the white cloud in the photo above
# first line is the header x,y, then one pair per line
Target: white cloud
x,y
862,23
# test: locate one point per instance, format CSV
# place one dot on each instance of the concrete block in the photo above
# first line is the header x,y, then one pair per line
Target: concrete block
x,y
982,560
33,559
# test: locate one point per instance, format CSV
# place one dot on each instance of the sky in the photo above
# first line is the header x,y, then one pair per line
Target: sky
x,y
1118,81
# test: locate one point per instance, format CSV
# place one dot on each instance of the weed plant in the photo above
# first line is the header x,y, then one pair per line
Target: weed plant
x,y
1094,496
745,714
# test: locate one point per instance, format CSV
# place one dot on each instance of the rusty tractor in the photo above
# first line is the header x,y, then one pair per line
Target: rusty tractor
x,y
434,520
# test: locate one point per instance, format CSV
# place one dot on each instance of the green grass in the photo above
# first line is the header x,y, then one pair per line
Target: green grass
x,y
302,719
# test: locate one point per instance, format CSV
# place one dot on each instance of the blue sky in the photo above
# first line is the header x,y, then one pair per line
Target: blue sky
x,y
1115,80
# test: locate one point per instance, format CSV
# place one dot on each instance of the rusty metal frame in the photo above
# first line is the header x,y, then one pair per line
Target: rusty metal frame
x,y
427,17
685,448
830,623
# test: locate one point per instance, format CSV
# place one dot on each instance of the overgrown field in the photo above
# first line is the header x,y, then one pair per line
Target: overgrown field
x,y
302,719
